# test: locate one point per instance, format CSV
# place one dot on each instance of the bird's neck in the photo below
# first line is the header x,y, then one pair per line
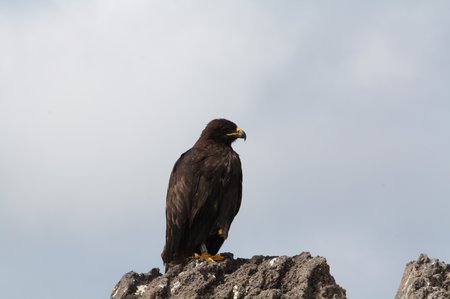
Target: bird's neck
x,y
207,143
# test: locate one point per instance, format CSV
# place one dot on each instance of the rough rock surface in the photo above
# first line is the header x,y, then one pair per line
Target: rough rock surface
x,y
301,276
425,279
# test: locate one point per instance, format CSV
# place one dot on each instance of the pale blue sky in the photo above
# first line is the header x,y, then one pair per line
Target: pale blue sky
x,y
346,107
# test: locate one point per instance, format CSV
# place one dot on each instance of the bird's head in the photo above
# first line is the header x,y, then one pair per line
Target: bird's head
x,y
222,131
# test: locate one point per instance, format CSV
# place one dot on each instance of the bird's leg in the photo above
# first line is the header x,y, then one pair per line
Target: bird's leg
x,y
205,255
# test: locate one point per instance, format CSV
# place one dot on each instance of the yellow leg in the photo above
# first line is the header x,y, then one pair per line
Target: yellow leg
x,y
205,255
209,257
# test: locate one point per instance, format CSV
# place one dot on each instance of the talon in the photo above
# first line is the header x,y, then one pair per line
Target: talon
x,y
217,257
208,257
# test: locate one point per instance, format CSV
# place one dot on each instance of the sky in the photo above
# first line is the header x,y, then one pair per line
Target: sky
x,y
345,105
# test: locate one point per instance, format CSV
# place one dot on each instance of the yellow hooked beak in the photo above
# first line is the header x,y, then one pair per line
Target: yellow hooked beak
x,y
238,134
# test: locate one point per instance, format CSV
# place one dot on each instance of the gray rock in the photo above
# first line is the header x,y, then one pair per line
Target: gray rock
x,y
425,279
300,276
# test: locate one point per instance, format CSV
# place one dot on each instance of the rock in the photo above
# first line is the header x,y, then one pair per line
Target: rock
x,y
425,279
300,276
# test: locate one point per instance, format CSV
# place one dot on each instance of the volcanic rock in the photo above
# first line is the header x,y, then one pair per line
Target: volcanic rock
x,y
301,276
425,279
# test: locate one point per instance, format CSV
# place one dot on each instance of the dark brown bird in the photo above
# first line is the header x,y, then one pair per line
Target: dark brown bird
x,y
204,195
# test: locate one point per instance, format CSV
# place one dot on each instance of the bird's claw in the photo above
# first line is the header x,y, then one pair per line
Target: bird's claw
x,y
209,257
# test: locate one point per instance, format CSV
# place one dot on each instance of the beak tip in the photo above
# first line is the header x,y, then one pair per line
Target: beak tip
x,y
244,136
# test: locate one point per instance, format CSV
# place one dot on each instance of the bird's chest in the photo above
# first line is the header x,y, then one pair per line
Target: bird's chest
x,y
221,170
226,172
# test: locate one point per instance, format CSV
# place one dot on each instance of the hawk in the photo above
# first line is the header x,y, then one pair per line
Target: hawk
x,y
204,195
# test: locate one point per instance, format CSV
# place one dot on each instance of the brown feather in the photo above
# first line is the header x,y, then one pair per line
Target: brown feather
x,y
204,194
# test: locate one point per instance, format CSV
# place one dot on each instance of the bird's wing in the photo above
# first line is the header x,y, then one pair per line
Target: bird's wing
x,y
182,185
